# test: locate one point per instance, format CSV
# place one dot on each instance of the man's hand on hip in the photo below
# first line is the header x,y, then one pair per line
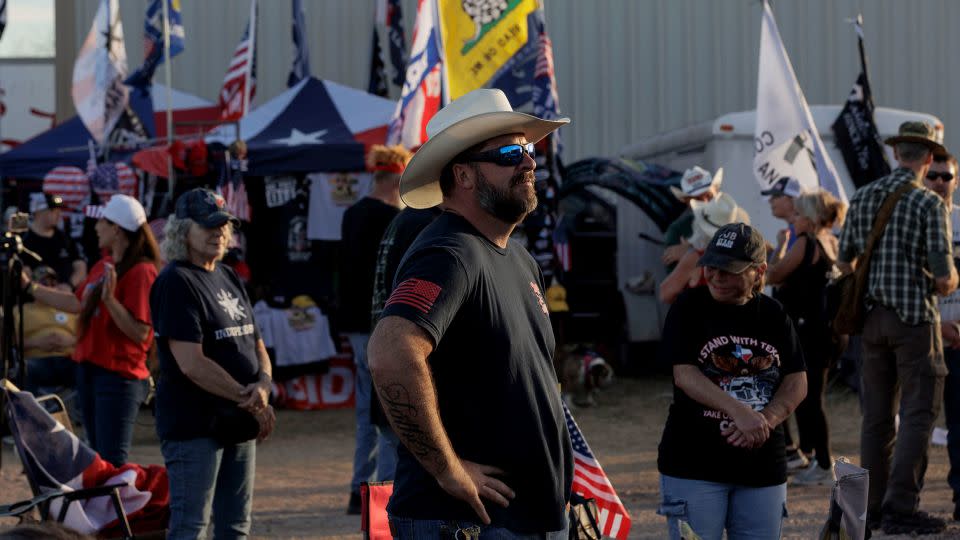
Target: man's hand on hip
x,y
469,481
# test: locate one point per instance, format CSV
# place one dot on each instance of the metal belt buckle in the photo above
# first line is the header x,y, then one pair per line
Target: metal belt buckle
x,y
469,533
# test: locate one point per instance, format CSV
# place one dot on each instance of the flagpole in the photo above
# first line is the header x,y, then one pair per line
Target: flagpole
x,y
858,24
169,76
252,53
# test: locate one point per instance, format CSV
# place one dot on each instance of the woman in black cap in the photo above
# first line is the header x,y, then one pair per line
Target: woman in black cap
x,y
212,398
738,372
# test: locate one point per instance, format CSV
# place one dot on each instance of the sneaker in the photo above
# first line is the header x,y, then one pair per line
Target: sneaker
x,y
814,475
355,506
796,461
916,523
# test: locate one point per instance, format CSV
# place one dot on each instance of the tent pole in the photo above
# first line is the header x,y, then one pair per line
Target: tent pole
x,y
171,179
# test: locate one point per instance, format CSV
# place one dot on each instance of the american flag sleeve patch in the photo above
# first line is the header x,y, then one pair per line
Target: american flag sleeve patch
x,y
419,294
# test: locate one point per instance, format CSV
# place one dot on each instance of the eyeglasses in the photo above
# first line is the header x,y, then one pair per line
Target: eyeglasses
x,y
945,176
510,155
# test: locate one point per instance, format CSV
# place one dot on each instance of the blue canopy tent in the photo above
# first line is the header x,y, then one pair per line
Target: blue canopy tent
x,y
66,144
313,126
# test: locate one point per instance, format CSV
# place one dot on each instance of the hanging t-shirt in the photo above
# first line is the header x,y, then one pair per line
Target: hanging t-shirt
x,y
746,350
492,366
192,304
298,335
57,251
330,196
286,255
363,226
103,343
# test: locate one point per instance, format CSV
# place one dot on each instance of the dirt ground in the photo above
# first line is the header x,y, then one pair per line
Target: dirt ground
x,y
303,471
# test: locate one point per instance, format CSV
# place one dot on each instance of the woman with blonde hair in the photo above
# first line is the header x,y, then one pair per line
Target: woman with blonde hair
x,y
113,328
802,272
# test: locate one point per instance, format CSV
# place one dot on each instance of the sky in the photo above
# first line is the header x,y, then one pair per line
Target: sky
x,y
29,31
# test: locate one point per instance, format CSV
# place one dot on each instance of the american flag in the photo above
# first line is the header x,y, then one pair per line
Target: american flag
x,y
233,191
110,178
70,183
240,82
416,293
561,244
591,482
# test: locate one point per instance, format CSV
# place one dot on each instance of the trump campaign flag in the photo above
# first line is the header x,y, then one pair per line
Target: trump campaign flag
x,y
153,39
591,482
98,92
240,82
301,52
855,130
422,92
786,141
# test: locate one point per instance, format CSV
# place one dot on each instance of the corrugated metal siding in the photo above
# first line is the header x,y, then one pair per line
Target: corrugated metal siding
x,y
625,68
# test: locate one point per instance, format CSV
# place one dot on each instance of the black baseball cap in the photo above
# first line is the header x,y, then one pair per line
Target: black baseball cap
x,y
204,207
44,201
734,248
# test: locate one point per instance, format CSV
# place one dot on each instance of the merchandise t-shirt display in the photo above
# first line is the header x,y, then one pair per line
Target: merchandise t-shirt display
x,y
363,226
492,365
330,196
103,343
288,255
57,252
194,305
298,335
41,320
746,350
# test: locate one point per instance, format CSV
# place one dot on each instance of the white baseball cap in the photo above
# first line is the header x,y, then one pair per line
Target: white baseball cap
x,y
125,211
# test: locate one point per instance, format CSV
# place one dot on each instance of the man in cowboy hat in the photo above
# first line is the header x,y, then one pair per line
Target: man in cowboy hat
x,y
902,351
462,356
696,184
362,228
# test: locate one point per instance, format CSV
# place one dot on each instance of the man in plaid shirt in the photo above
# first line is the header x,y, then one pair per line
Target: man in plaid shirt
x,y
902,348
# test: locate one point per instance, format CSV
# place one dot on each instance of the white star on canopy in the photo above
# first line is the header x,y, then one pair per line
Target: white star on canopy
x,y
298,137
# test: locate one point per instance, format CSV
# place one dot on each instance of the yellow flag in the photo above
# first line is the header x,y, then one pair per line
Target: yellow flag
x,y
479,37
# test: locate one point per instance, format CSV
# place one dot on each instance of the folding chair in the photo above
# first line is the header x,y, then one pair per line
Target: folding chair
x,y
51,455
374,497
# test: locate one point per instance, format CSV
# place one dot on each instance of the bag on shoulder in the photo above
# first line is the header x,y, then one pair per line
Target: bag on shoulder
x,y
584,518
845,303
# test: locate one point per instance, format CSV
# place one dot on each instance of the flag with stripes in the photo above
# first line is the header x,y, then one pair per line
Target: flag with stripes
x,y
561,244
421,97
301,51
108,179
70,183
419,294
591,482
240,82
233,190
153,40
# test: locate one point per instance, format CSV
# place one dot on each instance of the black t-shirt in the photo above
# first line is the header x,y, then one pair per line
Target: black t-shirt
x,y
493,370
189,303
361,230
58,252
745,350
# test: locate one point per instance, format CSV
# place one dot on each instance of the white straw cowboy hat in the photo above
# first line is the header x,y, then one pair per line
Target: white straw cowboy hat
x,y
473,118
709,216
696,181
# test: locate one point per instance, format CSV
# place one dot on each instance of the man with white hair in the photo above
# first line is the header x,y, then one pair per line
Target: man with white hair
x,y
697,184
462,356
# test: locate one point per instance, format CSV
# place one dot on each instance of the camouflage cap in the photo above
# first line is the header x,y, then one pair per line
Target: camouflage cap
x,y
918,132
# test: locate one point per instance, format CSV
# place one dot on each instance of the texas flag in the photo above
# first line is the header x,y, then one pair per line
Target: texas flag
x,y
55,459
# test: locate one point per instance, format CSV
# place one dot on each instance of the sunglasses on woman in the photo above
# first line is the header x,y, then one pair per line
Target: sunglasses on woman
x,y
509,155
945,176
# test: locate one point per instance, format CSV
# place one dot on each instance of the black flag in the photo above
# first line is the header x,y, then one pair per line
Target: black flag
x,y
855,131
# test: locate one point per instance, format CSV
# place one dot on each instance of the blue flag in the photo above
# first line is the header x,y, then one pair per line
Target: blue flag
x,y
301,52
153,40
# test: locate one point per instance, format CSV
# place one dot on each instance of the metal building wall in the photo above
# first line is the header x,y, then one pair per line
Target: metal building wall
x,y
625,68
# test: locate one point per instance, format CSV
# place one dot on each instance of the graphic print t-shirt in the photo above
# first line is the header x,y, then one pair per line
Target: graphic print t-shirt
x,y
499,402
191,304
745,350
58,252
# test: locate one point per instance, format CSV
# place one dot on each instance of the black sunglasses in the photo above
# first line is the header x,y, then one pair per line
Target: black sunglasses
x,y
510,155
945,176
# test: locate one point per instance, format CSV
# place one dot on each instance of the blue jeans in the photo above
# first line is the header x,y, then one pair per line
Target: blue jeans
x,y
951,409
206,476
710,507
110,404
387,443
437,529
365,455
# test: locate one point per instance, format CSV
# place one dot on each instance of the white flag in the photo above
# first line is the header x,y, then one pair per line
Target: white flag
x,y
98,74
786,141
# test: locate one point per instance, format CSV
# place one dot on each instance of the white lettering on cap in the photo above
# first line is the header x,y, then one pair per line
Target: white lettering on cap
x,y
726,239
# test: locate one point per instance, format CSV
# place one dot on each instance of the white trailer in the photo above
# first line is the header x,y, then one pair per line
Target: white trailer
x,y
725,142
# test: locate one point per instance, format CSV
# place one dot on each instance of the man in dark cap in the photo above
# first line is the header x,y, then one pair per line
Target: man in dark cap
x,y
902,351
46,239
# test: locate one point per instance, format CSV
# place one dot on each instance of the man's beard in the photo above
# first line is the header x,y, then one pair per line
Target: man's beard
x,y
502,203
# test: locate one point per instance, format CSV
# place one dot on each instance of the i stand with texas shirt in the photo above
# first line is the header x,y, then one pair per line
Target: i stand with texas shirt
x,y
746,350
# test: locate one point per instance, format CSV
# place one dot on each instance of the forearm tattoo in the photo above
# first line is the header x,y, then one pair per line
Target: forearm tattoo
x,y
405,417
